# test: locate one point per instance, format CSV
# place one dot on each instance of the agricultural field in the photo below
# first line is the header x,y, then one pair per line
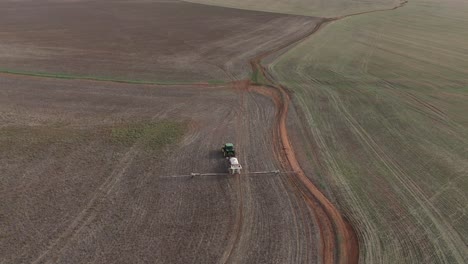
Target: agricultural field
x,y
97,172
108,107
383,97
349,119
163,42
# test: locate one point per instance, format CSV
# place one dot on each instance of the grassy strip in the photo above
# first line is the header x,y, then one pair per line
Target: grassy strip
x,y
258,78
101,78
151,136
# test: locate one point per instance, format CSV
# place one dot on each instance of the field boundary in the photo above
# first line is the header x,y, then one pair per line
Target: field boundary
x,y
103,79
339,240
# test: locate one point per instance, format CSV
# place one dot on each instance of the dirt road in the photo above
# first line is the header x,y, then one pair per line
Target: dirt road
x,y
339,241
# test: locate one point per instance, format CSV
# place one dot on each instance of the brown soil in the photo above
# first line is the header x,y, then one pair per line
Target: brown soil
x,y
338,241
76,198
150,40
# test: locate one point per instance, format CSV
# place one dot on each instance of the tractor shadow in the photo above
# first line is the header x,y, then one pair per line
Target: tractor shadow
x,y
216,157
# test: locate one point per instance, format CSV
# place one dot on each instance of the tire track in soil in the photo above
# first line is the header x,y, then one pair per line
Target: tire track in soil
x,y
244,87
237,226
53,251
339,242
235,237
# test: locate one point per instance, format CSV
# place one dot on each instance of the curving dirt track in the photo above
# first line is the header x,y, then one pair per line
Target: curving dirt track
x,y
338,241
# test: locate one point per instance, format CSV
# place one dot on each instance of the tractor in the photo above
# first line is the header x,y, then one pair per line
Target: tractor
x,y
228,150
230,154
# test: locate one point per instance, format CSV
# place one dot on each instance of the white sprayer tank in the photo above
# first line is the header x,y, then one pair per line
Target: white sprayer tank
x,y
234,166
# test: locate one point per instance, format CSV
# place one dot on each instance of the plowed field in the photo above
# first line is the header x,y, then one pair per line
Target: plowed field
x,y
95,172
160,41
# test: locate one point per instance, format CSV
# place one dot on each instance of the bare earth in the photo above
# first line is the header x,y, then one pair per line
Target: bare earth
x,y
80,199
170,41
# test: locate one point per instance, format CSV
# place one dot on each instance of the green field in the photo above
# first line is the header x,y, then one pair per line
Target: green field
x,y
319,8
151,137
384,97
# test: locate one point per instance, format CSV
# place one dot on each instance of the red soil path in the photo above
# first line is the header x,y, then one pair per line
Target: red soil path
x,y
339,242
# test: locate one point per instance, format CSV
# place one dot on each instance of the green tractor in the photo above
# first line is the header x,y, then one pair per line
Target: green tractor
x,y
228,150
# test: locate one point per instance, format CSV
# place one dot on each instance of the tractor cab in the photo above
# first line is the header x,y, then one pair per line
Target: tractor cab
x,y
228,150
